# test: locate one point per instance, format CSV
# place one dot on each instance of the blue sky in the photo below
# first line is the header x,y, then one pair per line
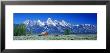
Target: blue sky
x,y
73,18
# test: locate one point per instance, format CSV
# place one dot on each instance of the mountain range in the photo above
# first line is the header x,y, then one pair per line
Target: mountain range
x,y
58,27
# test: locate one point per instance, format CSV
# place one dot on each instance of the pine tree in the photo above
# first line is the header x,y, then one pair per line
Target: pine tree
x,y
20,30
67,32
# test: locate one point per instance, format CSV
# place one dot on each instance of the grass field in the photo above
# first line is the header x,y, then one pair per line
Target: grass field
x,y
63,37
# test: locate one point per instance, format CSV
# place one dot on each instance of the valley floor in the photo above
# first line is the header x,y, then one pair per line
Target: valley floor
x,y
62,37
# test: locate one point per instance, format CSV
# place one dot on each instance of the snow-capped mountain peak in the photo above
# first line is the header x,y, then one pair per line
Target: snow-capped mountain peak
x,y
56,22
50,22
40,23
63,23
26,22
